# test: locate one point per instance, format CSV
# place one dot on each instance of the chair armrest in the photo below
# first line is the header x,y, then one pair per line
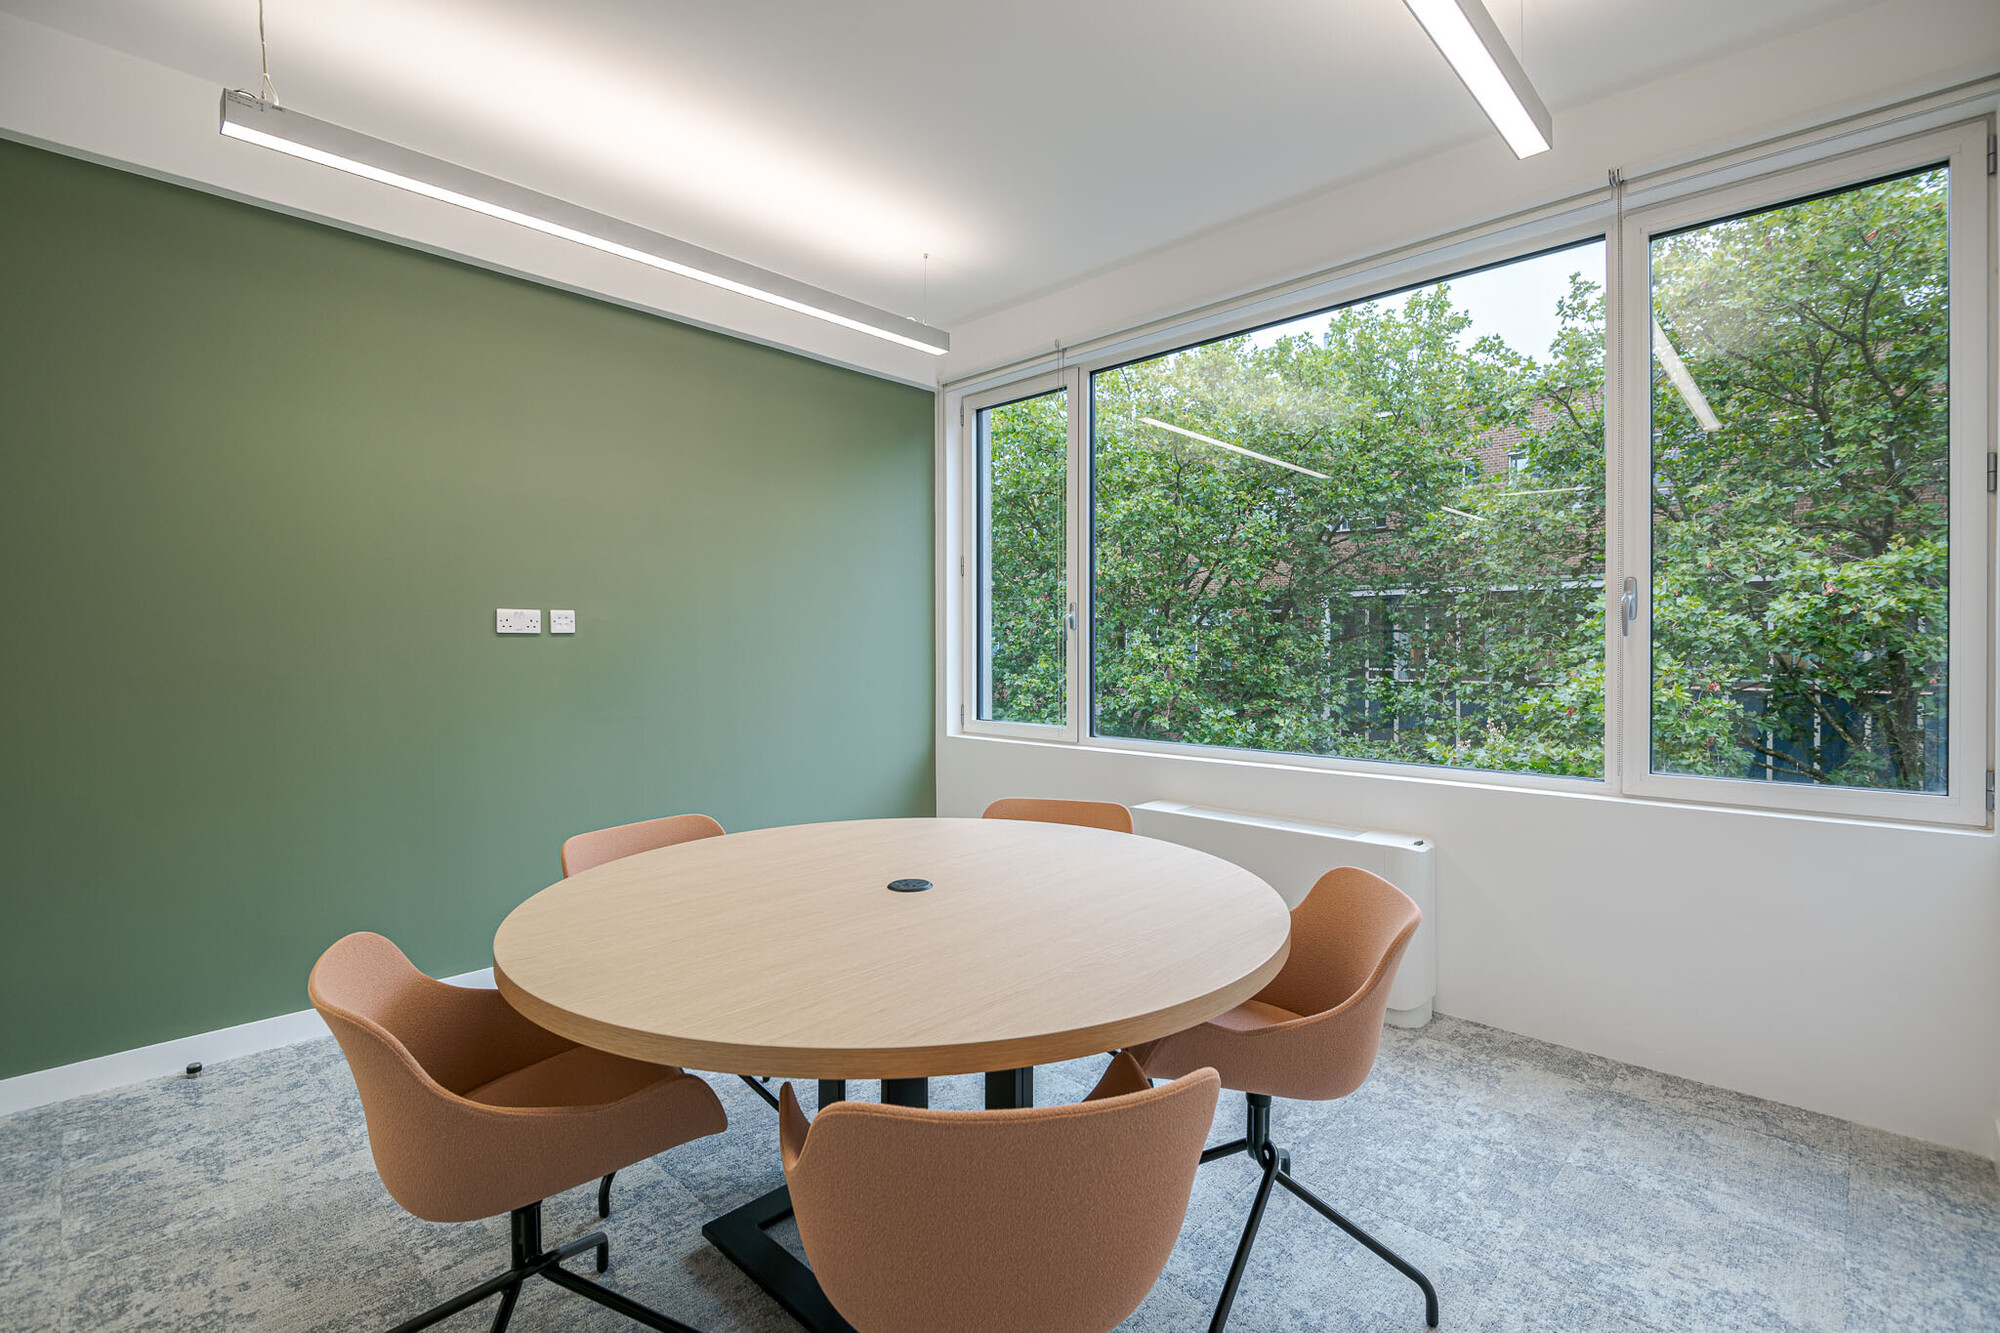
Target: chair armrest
x,y
1120,1077
471,1035
792,1128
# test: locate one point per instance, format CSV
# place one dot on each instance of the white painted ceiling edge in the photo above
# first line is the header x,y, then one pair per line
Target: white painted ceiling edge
x,y
62,92
1895,49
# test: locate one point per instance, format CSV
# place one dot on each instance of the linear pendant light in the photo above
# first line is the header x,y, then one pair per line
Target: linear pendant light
x,y
1468,38
256,121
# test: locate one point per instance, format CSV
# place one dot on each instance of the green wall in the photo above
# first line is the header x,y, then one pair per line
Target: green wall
x,y
264,482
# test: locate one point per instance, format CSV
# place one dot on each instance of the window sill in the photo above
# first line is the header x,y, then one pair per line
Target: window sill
x,y
1534,786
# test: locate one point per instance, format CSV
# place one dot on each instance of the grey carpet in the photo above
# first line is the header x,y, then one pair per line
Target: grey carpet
x,y
1541,1188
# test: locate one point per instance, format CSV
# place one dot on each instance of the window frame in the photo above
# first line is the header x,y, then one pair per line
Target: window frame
x,y
974,557
1969,608
1693,197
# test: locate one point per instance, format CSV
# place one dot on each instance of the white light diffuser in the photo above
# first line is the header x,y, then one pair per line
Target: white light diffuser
x,y
1468,38
1233,448
1684,385
254,121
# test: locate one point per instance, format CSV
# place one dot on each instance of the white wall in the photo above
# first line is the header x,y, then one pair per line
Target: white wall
x,y
1848,967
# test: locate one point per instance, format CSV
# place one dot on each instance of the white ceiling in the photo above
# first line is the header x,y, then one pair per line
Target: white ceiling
x,y
1024,144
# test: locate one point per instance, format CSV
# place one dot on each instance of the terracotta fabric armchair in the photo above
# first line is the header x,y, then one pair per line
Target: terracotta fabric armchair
x,y
1311,1034
1054,1219
1089,814
586,850
474,1111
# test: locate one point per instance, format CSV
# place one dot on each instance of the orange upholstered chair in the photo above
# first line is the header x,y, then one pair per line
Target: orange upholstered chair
x,y
615,844
1089,814
1055,1219
1311,1034
474,1111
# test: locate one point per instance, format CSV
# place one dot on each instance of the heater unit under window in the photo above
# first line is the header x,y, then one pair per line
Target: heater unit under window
x,y
1291,855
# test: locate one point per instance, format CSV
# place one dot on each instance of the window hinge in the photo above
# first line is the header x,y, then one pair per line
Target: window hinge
x,y
1989,791
961,559
1993,472
961,717
1993,154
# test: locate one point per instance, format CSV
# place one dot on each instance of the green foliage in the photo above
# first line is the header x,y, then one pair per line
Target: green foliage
x,y
1800,554
1418,598
1026,473
1241,604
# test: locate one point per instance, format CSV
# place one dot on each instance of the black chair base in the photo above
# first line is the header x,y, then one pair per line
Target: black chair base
x,y
1277,1163
531,1261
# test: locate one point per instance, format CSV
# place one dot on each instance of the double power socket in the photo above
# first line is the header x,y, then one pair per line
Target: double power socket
x,y
514,620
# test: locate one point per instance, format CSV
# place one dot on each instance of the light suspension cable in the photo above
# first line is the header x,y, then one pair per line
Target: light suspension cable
x,y
264,57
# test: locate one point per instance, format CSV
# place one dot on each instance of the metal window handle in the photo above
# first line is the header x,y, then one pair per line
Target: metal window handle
x,y
1628,606
1069,621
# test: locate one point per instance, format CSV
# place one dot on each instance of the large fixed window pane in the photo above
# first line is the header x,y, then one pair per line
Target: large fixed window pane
x,y
1023,468
1800,488
1376,532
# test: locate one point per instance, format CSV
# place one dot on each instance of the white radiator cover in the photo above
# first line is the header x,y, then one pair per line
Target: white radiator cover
x,y
1290,855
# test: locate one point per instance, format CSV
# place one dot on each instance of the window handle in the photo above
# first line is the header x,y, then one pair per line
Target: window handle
x,y
1069,621
1628,606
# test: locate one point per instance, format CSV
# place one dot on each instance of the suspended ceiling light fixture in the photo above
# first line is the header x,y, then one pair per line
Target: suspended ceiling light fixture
x,y
1468,38
1677,371
263,122
1233,448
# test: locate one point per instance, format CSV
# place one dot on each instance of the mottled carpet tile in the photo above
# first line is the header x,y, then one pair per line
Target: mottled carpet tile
x,y
1542,1189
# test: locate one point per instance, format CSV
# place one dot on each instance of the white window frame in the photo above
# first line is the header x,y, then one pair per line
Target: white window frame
x,y
1767,177
1963,149
1574,227
972,655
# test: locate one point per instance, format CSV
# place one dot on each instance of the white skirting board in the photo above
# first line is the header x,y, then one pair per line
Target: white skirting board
x,y
1290,855
25,1091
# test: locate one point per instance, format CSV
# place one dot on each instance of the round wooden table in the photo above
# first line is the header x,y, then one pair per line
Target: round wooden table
x,y
783,951
786,952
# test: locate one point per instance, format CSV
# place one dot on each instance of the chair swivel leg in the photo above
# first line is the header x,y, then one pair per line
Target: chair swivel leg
x,y
1256,1142
611,1300
1242,1260
1395,1260
531,1260
758,1086
463,1301
505,1314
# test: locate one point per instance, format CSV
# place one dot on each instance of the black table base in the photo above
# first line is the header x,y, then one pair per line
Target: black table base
x,y
741,1233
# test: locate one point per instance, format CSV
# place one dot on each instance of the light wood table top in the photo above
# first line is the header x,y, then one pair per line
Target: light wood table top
x,y
783,952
